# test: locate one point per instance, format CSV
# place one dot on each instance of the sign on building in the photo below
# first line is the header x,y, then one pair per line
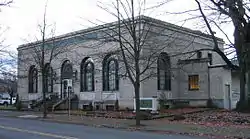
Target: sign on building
x,y
147,104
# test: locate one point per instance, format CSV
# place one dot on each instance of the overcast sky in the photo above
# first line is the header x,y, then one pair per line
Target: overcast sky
x,y
23,17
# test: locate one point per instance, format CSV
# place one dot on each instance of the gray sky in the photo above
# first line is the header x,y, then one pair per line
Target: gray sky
x,y
23,17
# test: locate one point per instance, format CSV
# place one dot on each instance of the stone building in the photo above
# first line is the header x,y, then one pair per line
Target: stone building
x,y
186,68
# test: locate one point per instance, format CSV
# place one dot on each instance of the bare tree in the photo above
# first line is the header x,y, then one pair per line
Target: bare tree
x,y
139,43
236,11
6,3
42,53
10,80
7,63
215,15
4,62
131,37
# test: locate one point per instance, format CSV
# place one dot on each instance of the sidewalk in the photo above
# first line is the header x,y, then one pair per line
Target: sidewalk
x,y
156,126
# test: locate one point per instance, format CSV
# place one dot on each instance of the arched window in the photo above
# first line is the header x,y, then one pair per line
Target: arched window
x,y
110,74
33,80
164,72
87,75
48,78
66,73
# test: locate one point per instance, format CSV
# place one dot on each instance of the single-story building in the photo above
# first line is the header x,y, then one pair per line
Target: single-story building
x,y
185,67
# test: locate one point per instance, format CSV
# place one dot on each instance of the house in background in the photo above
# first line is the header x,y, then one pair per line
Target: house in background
x,y
8,86
3,86
182,72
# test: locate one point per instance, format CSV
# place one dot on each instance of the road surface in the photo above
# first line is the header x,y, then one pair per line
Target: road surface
x,y
15,128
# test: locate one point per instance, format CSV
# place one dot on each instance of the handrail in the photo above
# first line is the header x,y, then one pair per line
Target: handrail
x,y
62,100
40,99
46,96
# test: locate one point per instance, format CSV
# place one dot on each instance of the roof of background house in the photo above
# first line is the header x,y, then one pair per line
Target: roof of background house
x,y
146,19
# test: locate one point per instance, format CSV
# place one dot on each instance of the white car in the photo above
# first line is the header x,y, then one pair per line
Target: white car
x,y
5,99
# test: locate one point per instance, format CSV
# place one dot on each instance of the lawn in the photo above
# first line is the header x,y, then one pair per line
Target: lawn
x,y
218,118
10,107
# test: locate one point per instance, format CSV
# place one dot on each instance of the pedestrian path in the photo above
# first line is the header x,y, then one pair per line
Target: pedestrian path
x,y
28,116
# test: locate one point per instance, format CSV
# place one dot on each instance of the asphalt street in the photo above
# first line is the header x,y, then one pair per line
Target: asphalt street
x,y
15,128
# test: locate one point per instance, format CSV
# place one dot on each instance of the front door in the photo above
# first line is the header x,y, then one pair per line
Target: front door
x,y
66,73
65,90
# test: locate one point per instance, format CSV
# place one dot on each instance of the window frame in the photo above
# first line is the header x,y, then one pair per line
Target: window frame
x,y
210,57
199,54
192,78
49,83
83,75
85,72
112,75
33,80
165,60
106,73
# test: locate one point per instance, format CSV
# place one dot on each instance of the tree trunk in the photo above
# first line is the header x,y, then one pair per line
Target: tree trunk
x,y
242,84
11,97
137,103
247,85
240,50
43,80
44,95
243,99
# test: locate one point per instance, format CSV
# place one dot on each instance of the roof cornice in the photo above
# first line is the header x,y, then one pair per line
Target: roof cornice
x,y
143,18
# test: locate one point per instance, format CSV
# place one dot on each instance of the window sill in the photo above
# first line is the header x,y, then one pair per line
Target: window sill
x,y
164,90
110,91
87,92
193,89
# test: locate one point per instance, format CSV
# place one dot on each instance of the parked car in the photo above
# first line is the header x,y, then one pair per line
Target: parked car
x,y
4,99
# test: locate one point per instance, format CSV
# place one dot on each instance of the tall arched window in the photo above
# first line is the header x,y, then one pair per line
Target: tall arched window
x,y
66,73
87,75
33,80
110,74
164,72
48,78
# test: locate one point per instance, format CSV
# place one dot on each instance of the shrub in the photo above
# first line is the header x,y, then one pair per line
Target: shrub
x,y
116,105
210,103
242,106
17,99
145,115
162,101
178,104
90,106
19,105
127,109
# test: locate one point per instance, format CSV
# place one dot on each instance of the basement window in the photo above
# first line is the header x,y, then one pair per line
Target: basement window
x,y
193,82
199,54
209,55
